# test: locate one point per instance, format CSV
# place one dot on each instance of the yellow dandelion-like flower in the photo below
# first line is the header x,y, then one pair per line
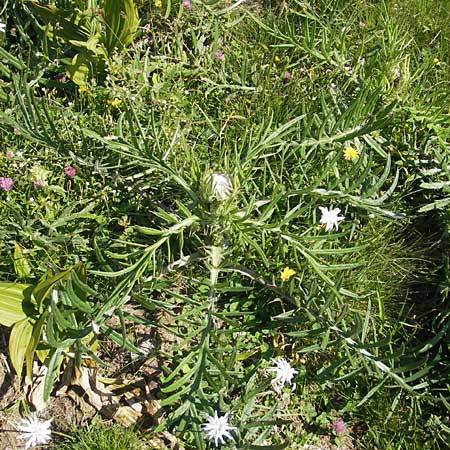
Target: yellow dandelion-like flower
x,y
436,62
82,89
287,273
158,3
350,153
115,102
277,58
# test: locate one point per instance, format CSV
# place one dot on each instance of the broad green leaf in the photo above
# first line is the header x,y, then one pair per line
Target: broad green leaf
x,y
21,264
42,354
78,69
18,343
63,23
12,299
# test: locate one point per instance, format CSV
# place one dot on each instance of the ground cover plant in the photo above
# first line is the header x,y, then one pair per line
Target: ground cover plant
x,y
224,224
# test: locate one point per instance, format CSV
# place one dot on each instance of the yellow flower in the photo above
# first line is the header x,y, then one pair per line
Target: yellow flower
x,y
82,89
350,153
287,273
115,102
158,3
436,62
277,58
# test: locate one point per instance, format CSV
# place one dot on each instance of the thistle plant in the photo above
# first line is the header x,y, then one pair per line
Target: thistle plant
x,y
253,174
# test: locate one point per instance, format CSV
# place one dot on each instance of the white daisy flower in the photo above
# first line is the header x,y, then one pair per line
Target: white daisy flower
x,y
2,27
35,431
284,373
221,185
330,217
216,428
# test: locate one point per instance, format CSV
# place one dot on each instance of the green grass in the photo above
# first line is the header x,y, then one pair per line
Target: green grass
x,y
101,436
298,82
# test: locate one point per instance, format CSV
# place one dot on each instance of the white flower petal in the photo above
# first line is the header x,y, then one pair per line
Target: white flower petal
x,y
221,185
216,428
330,218
284,373
35,431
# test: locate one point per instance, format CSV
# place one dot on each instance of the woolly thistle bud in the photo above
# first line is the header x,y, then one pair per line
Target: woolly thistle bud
x,y
221,185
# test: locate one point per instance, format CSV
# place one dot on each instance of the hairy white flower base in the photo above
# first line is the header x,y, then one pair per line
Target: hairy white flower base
x,y
284,373
35,431
330,217
221,185
216,428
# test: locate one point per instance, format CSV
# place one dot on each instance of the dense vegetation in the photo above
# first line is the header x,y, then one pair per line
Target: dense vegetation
x,y
169,178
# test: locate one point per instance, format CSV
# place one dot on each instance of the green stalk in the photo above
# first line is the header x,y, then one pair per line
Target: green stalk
x,y
216,259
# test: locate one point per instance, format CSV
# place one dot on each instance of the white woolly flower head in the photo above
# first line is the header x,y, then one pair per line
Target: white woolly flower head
x,y
284,373
221,185
330,217
2,27
216,428
35,431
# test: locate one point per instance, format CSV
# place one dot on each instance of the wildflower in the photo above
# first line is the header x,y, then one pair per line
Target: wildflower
x,y
35,431
158,3
216,428
61,77
276,58
330,217
362,24
6,183
115,102
284,373
9,154
339,426
82,89
218,55
286,76
187,5
287,273
436,62
350,153
221,185
2,27
70,171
